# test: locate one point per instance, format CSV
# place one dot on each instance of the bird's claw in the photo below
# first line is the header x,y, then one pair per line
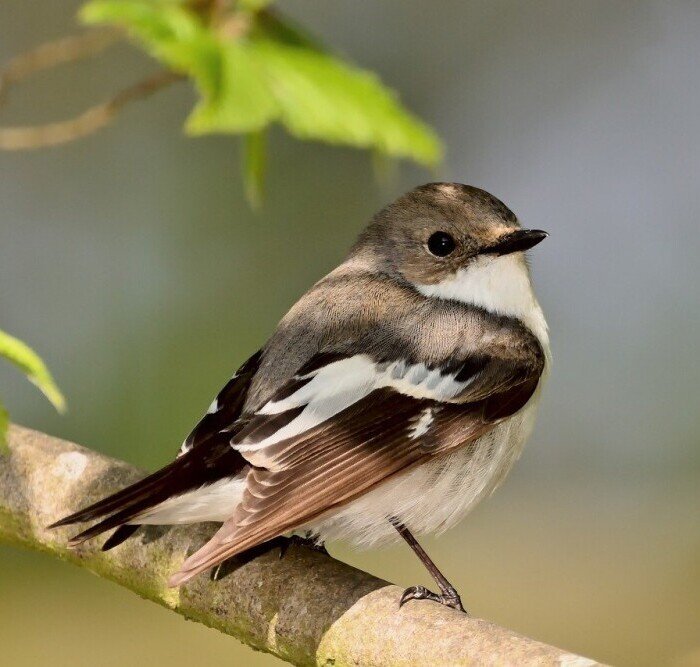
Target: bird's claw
x,y
450,598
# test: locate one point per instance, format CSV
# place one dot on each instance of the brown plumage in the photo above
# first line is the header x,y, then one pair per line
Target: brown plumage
x,y
415,362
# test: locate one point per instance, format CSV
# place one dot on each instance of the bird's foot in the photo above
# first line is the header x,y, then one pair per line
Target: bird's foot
x,y
449,597
226,567
307,541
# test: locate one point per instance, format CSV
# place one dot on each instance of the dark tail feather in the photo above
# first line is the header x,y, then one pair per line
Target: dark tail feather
x,y
199,467
116,520
120,535
115,501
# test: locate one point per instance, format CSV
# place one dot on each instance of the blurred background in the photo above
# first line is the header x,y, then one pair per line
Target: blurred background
x,y
132,264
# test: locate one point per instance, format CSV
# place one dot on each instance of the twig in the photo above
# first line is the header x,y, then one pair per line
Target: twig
x,y
49,55
306,608
91,120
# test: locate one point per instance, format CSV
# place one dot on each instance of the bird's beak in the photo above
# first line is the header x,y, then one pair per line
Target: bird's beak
x,y
522,239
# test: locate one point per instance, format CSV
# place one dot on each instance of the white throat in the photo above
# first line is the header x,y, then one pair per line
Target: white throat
x,y
500,285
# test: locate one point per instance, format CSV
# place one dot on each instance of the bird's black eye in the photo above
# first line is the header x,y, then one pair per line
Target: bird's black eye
x,y
441,244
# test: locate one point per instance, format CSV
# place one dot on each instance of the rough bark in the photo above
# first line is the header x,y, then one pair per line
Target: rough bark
x,y
306,608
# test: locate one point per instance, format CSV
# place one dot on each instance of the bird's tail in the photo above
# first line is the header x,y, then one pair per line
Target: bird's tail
x,y
191,471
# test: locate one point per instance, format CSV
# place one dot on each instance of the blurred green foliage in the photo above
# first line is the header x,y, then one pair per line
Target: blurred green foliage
x,y
23,357
252,69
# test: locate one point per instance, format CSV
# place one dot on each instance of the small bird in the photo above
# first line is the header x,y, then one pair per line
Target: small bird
x,y
390,399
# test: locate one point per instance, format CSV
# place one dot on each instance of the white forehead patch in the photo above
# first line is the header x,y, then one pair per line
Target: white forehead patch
x,y
448,188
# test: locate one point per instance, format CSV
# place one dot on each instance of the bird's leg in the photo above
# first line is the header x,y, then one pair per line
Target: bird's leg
x,y
448,596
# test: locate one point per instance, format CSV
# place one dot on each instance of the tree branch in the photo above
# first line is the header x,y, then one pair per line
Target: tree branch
x,y
306,608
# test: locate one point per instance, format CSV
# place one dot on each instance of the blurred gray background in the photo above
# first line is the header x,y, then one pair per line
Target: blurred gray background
x,y
130,261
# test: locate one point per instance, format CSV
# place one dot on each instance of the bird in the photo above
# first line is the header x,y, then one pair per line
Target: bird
x,y
391,398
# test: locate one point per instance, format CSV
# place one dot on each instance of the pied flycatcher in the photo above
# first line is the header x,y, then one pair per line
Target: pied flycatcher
x,y
391,398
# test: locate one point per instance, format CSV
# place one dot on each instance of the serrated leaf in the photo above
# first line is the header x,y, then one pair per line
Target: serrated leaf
x,y
169,32
233,94
323,98
4,425
254,167
272,73
236,98
23,357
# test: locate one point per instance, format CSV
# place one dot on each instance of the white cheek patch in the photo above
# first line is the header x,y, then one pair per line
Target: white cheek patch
x,y
500,285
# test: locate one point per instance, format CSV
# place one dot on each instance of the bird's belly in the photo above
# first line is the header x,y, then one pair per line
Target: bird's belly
x,y
433,496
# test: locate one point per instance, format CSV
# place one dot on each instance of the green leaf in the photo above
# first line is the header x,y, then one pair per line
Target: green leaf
x,y
273,73
171,33
270,25
235,97
322,98
254,167
158,23
22,356
4,425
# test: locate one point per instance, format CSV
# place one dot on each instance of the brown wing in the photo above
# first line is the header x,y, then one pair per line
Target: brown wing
x,y
293,481
213,459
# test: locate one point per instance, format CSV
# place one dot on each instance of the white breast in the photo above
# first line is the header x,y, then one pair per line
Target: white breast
x,y
500,285
435,495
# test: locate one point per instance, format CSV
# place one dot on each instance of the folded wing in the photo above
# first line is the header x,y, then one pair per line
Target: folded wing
x,y
344,424
205,458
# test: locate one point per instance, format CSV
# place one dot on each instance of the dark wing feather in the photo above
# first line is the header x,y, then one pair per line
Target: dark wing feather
x,y
213,459
120,535
314,472
194,469
229,405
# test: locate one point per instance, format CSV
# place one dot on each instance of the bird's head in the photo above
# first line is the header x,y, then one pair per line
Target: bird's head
x,y
437,230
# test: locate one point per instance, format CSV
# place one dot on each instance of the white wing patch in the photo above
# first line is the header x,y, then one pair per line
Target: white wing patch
x,y
419,381
213,408
422,424
339,384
